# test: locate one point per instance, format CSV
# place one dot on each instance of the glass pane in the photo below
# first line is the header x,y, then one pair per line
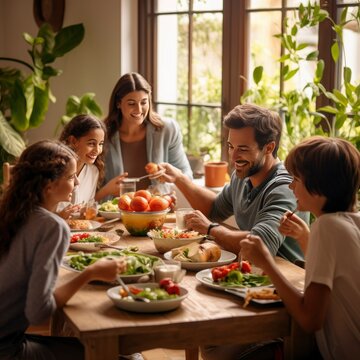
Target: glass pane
x,y
172,58
207,58
307,35
346,1
261,4
296,3
265,49
208,5
351,52
172,5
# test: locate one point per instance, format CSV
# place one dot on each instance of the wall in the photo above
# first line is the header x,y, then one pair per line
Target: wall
x,y
94,66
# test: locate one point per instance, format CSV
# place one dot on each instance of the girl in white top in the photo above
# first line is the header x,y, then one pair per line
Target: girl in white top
x,y
85,134
326,182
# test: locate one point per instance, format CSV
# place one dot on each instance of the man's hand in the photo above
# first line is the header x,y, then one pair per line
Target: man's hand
x,y
171,175
197,221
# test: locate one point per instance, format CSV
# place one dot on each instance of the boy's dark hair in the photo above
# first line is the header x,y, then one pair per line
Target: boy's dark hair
x,y
329,167
267,124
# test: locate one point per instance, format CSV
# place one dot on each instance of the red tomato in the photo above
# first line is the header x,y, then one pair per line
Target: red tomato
x,y
151,168
134,290
138,203
216,274
168,198
163,283
158,203
124,202
84,235
75,238
245,267
146,194
173,289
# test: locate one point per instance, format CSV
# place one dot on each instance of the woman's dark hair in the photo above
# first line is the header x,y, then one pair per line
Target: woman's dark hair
x,y
267,124
126,84
78,127
328,167
39,164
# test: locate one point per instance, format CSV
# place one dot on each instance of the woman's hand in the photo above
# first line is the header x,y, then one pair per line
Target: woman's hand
x,y
111,188
107,269
293,226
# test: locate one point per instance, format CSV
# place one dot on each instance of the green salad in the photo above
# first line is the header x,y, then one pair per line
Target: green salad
x,y
110,205
136,263
237,278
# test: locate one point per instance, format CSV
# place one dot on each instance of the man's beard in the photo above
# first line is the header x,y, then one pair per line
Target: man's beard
x,y
256,168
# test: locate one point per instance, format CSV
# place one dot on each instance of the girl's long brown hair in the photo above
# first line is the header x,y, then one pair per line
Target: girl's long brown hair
x,y
39,164
78,127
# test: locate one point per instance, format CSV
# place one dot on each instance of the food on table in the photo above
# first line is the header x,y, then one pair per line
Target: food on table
x,y
110,205
262,294
151,168
233,275
87,238
143,201
174,234
166,290
195,252
136,263
79,224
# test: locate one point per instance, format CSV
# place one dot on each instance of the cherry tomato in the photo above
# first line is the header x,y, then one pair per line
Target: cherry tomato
x,y
164,283
245,267
134,290
84,235
173,289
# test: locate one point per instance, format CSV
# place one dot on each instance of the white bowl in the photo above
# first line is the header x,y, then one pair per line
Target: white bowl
x,y
164,245
142,307
110,214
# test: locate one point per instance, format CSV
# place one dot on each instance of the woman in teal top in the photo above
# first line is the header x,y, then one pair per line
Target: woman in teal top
x,y
137,135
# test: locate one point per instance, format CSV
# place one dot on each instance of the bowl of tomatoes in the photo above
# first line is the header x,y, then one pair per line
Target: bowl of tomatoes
x,y
143,211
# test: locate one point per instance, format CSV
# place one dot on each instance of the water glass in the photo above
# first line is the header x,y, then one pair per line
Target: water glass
x,y
179,214
91,209
170,269
127,186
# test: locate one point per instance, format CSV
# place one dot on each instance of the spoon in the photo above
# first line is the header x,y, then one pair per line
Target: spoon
x,y
151,176
135,297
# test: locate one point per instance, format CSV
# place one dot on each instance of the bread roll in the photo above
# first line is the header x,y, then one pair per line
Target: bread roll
x,y
206,252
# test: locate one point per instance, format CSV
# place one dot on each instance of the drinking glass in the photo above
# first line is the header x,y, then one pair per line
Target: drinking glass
x,y
179,214
127,186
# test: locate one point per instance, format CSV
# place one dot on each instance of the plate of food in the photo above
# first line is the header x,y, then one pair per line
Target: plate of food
x,y
83,241
160,299
138,264
195,256
81,225
263,296
110,209
232,276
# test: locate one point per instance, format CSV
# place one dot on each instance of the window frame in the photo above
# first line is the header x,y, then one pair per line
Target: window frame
x,y
235,51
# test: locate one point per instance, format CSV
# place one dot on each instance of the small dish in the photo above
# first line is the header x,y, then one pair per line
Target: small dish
x,y
89,225
142,307
110,214
109,239
226,258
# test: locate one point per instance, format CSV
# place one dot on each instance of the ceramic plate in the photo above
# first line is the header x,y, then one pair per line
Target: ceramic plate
x,y
93,225
141,307
110,214
242,293
127,278
204,276
110,237
225,258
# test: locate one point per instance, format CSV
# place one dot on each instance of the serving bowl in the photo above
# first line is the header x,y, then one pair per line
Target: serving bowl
x,y
166,243
139,223
110,214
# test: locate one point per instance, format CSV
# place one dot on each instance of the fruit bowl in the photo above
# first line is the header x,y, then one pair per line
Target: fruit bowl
x,y
139,223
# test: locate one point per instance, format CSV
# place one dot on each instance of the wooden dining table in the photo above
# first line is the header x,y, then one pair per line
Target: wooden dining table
x,y
206,317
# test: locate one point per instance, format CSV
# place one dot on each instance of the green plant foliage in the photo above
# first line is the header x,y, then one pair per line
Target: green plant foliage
x,y
298,106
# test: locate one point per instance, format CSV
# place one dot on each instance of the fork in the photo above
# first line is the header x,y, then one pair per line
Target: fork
x,y
152,176
135,297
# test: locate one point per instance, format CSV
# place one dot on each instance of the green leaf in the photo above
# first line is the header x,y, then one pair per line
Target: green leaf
x,y
257,74
302,46
41,103
335,51
328,109
319,70
10,139
347,74
290,74
312,56
18,108
68,38
341,98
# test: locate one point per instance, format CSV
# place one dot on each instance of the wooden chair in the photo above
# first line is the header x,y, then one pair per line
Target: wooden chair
x,y
6,174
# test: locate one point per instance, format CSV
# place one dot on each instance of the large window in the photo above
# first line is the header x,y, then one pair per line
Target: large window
x,y
199,55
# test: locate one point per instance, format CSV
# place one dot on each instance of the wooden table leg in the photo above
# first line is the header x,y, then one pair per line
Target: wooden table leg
x,y
192,354
104,348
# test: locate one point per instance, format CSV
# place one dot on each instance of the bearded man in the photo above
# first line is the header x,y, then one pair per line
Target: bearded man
x,y
258,193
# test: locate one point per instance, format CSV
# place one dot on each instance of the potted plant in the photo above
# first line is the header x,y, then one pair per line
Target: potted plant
x,y
25,98
301,115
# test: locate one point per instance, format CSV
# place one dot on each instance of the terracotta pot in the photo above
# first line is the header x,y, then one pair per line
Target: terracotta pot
x,y
215,173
